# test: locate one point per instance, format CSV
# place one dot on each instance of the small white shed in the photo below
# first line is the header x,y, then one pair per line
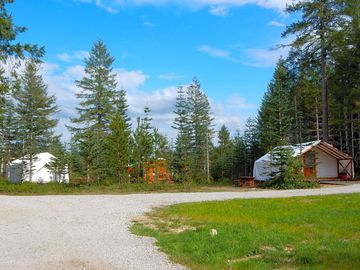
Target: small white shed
x,y
320,160
18,170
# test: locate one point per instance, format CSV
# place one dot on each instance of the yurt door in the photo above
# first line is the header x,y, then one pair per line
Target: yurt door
x,y
309,164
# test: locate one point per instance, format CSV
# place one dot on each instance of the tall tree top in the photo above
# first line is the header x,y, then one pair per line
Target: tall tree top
x,y
223,136
99,58
98,90
319,18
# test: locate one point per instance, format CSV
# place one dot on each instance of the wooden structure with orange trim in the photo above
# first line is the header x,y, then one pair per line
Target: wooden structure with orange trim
x,y
152,172
156,171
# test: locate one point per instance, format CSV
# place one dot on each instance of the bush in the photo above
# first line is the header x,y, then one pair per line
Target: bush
x,y
292,184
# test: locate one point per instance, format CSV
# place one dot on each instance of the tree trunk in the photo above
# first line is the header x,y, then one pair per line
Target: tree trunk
x,y
207,159
317,119
352,135
88,173
30,167
325,113
119,176
31,157
296,119
346,133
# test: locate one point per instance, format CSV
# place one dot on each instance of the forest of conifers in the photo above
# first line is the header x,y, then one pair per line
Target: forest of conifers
x,y
314,94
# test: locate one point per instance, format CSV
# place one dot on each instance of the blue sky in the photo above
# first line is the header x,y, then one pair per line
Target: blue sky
x,y
159,44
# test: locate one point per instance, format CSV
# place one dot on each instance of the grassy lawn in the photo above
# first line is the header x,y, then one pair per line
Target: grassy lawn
x,y
320,232
7,188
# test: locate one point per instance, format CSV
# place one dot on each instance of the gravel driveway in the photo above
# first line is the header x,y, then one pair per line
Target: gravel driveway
x,y
91,232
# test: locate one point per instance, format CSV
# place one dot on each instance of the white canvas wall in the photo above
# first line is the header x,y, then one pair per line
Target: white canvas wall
x,y
41,173
326,166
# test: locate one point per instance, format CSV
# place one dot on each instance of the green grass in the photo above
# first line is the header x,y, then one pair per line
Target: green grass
x,y
320,232
26,188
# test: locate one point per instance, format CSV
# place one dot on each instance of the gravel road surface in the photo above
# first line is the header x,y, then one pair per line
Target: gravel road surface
x,y
91,232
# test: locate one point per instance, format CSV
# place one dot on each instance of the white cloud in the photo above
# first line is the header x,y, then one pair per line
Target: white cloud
x,y
232,113
170,76
148,24
130,80
219,11
216,7
276,23
68,57
109,6
216,53
257,57
238,102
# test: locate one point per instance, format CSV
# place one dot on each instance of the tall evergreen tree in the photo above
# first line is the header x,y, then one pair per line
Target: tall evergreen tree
x,y
240,165
315,33
8,128
60,164
182,159
9,47
143,142
275,115
200,122
223,155
98,95
35,109
251,144
121,106
118,147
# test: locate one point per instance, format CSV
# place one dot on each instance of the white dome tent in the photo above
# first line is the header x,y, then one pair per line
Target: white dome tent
x,y
321,160
18,170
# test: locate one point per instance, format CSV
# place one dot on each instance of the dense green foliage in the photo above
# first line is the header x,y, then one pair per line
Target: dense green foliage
x,y
291,233
107,186
118,147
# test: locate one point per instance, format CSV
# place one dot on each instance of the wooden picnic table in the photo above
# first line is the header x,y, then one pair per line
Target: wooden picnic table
x,y
243,180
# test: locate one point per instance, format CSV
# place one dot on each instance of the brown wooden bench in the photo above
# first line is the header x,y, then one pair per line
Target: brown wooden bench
x,y
243,180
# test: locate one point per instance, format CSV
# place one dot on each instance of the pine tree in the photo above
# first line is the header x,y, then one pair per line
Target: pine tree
x,y
275,115
222,159
200,123
60,165
280,157
306,93
118,147
121,106
35,108
98,95
7,132
182,160
143,142
239,156
251,144
315,33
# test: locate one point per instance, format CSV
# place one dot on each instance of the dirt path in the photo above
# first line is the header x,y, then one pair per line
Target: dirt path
x,y
91,232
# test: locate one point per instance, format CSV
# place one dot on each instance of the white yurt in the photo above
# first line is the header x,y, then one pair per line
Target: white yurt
x,y
320,160
18,170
